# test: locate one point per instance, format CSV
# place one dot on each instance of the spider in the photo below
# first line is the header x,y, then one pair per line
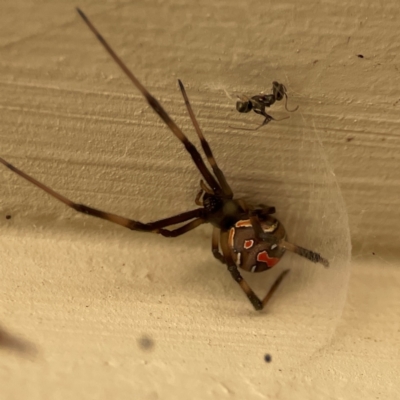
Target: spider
x,y
244,236
259,102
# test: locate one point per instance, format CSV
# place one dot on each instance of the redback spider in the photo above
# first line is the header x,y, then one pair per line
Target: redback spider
x,y
260,102
244,236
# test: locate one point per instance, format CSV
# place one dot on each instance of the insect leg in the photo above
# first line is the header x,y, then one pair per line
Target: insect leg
x,y
267,119
156,106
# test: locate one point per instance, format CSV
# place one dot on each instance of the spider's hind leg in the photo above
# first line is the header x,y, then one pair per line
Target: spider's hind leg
x,y
234,271
301,251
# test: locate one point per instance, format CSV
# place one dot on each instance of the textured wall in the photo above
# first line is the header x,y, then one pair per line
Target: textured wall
x,y
120,314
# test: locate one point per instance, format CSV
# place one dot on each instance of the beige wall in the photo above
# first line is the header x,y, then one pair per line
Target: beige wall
x,y
91,297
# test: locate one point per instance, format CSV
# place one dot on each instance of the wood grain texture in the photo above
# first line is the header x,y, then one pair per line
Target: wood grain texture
x,y
87,294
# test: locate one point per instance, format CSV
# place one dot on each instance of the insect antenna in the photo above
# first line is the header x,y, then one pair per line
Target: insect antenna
x,y
286,108
279,88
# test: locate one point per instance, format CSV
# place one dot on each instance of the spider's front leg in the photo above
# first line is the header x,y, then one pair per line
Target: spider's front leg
x,y
196,217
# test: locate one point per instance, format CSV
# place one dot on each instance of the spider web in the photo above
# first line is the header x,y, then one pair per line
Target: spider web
x,y
291,171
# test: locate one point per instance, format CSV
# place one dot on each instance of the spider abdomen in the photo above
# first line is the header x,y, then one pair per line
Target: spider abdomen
x,y
251,254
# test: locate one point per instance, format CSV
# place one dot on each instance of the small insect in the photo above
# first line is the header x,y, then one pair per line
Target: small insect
x,y
244,236
260,102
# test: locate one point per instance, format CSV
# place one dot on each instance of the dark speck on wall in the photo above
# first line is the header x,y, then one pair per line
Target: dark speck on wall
x,y
268,358
145,342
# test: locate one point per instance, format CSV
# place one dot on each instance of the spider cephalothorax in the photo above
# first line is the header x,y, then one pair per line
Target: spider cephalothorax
x,y
243,236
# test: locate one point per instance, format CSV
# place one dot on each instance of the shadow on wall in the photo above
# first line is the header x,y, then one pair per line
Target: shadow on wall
x,y
8,341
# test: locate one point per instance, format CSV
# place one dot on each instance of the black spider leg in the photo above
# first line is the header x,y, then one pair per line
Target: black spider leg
x,y
301,251
256,214
262,210
220,239
234,271
197,216
215,245
156,106
206,147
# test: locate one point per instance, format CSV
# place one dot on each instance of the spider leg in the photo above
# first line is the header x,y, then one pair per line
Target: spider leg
x,y
154,227
206,147
215,245
198,197
233,269
275,286
301,251
254,219
269,238
182,229
205,188
156,106
261,210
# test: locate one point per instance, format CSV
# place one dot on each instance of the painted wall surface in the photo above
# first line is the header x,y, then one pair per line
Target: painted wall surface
x,y
91,310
